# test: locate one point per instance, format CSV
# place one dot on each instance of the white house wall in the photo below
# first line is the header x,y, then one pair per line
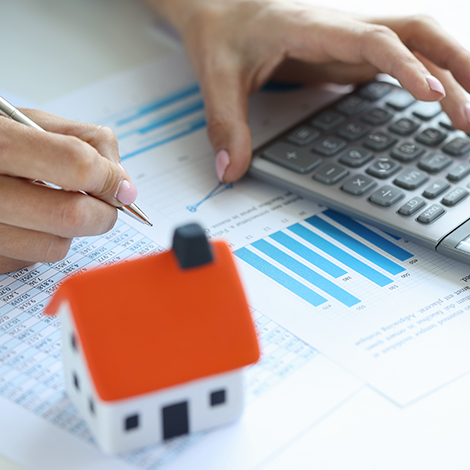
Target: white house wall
x,y
107,422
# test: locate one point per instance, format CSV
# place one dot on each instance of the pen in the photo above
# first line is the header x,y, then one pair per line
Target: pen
x,y
5,107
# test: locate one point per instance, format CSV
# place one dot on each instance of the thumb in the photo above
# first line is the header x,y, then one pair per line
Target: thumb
x,y
226,105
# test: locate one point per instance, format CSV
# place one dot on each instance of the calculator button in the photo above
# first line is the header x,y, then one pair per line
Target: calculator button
x,y
330,174
436,188
446,123
404,126
431,136
291,157
303,136
375,90
457,147
379,141
352,105
328,120
400,100
383,168
329,146
356,157
431,214
454,197
377,116
353,130
411,179
386,196
434,162
412,206
426,110
459,172
407,152
358,185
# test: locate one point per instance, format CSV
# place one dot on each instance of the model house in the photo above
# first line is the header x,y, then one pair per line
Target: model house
x,y
155,348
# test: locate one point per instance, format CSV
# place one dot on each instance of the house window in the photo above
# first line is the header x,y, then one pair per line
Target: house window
x,y
73,342
218,397
76,381
131,422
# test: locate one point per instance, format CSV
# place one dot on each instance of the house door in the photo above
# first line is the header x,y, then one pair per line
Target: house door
x,y
175,420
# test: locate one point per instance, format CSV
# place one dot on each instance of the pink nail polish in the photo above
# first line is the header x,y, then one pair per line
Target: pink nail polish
x,y
127,193
466,110
222,161
435,85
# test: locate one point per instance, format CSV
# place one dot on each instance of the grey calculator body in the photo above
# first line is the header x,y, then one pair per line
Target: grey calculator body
x,y
383,158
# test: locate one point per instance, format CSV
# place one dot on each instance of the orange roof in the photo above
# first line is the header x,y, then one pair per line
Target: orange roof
x,y
148,324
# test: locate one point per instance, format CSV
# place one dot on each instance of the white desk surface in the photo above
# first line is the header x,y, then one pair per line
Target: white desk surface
x,y
56,46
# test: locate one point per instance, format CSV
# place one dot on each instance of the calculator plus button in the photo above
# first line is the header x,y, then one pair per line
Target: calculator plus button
x,y
303,136
459,172
291,157
434,162
353,130
431,214
383,168
386,196
329,146
330,174
411,179
436,188
426,110
353,104
328,120
377,116
400,100
457,147
358,185
407,152
356,157
375,90
404,126
454,197
431,136
379,141
412,206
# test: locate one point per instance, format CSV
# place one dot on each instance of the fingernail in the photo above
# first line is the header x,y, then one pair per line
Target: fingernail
x,y
435,85
222,161
466,111
127,193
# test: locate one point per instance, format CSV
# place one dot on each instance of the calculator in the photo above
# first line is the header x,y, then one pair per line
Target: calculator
x,y
382,157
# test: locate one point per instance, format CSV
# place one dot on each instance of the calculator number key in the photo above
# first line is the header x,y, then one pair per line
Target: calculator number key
x,y
457,147
459,172
292,157
329,146
379,141
431,136
383,168
328,120
400,100
377,116
352,105
353,131
386,196
404,126
407,152
426,110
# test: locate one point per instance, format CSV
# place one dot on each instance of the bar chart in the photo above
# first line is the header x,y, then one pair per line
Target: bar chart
x,y
313,259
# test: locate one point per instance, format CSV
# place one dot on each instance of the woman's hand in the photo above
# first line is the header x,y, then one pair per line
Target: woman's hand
x,y
37,223
235,46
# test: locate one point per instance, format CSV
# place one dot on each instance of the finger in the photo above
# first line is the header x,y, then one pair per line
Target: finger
x,y
27,246
455,104
59,213
424,35
8,265
356,42
63,160
102,138
226,106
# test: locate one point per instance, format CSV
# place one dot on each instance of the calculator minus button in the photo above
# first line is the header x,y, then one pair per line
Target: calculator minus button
x,y
291,157
330,174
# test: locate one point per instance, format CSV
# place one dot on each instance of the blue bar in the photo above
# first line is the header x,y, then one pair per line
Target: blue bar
x,y
369,235
356,245
309,255
161,103
392,236
194,126
281,278
309,275
168,118
341,255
